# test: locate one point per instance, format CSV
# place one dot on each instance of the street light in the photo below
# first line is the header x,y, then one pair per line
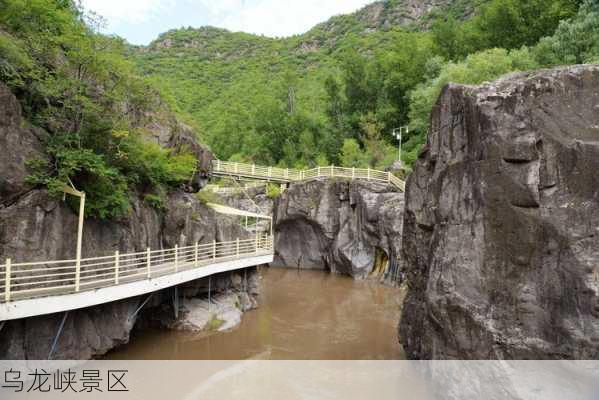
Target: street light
x,y
72,191
397,134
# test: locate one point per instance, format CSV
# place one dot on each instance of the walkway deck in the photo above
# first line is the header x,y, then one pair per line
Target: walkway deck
x,y
30,289
285,175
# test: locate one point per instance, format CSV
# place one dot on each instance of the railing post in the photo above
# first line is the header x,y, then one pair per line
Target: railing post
x,y
253,169
237,247
318,171
256,241
332,171
287,173
195,255
218,165
149,263
368,173
353,172
389,177
176,257
214,249
236,167
270,172
7,272
79,241
116,267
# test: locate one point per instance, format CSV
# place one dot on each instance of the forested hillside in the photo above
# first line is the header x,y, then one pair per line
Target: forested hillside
x,y
88,105
331,95
334,94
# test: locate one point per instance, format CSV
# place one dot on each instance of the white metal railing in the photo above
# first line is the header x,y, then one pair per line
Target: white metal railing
x,y
234,190
288,175
25,280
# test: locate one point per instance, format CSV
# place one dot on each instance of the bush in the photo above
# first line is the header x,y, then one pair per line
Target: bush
x,y
107,180
273,191
155,200
206,196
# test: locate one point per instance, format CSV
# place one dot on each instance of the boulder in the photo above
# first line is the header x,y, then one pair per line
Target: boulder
x,y
501,237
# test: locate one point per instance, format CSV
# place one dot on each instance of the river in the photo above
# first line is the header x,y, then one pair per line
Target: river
x,y
302,315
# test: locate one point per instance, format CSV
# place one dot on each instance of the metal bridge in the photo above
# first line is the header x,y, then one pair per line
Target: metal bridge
x,y
286,175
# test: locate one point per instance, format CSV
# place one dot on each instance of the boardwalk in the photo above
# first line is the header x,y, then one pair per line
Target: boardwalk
x,y
285,175
44,287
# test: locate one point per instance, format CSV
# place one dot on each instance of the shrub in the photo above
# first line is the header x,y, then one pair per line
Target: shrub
x,y
273,191
206,196
155,200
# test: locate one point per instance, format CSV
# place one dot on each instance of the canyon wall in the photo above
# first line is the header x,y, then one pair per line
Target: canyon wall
x,y
349,227
35,226
500,238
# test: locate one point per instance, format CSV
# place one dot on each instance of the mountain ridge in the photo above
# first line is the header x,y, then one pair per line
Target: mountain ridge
x,y
212,72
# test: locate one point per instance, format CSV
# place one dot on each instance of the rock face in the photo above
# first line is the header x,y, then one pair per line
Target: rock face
x,y
253,199
350,227
35,226
500,232
23,143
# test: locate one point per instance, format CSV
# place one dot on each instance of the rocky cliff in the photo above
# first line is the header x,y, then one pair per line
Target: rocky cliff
x,y
350,227
500,233
35,226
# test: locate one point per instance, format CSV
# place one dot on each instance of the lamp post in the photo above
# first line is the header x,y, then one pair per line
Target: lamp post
x,y
397,132
81,195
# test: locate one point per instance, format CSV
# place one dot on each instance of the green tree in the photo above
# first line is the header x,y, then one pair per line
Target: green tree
x,y
575,41
352,155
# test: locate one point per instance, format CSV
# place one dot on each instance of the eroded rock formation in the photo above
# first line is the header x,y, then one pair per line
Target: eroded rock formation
x,y
350,227
500,235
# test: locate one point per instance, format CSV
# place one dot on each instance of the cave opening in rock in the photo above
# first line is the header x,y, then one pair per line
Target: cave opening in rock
x,y
381,263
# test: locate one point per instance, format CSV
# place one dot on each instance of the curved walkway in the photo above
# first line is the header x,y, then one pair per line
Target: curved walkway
x,y
285,175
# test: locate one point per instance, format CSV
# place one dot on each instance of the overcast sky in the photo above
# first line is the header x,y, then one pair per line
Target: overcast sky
x,y
140,21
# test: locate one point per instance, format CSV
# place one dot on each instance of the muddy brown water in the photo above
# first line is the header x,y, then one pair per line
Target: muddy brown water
x,y
302,315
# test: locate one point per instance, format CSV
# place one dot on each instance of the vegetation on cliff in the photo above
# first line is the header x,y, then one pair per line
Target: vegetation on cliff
x,y
77,85
335,93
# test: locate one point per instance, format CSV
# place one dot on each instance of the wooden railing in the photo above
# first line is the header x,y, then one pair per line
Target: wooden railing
x,y
25,280
289,175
